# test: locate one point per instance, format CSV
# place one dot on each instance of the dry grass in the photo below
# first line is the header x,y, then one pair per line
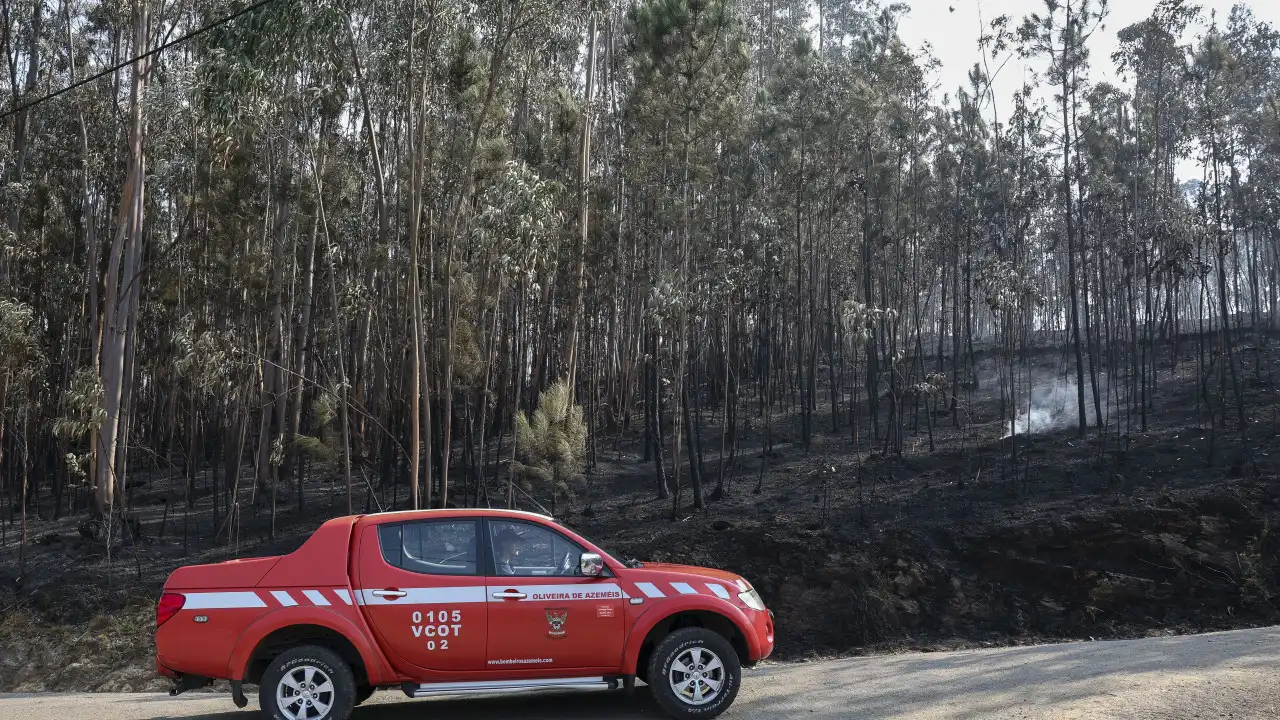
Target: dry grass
x,y
112,652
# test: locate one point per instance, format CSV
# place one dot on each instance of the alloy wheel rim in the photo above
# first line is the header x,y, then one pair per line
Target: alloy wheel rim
x,y
697,676
305,693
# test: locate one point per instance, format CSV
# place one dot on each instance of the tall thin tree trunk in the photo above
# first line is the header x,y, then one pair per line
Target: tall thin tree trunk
x,y
122,264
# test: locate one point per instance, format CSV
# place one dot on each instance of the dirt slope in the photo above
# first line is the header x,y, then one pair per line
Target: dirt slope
x,y
1123,534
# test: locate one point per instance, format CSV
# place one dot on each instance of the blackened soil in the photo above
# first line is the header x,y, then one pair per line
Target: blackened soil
x,y
856,548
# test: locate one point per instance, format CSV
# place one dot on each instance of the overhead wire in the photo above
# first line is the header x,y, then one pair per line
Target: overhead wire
x,y
158,49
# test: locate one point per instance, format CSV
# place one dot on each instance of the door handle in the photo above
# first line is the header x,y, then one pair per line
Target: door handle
x,y
389,594
509,595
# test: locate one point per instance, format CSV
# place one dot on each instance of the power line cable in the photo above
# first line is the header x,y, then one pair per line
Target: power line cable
x,y
127,63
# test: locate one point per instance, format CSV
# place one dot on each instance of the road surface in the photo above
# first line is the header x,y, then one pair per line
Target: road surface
x,y
1217,675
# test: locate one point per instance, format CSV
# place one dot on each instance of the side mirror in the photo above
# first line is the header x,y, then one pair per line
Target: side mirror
x,y
591,565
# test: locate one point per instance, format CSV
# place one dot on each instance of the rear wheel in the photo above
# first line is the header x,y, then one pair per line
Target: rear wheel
x,y
694,673
307,683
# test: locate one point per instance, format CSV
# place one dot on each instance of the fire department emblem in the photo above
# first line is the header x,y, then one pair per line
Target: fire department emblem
x,y
555,621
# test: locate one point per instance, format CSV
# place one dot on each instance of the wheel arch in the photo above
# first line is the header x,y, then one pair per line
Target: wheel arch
x,y
648,635
270,636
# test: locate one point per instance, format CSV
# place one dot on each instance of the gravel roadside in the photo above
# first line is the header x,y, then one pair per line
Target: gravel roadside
x,y
1216,675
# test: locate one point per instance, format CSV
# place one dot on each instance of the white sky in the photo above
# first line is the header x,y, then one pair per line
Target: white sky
x,y
954,37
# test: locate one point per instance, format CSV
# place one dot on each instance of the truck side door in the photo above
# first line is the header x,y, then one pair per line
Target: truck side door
x,y
421,587
543,614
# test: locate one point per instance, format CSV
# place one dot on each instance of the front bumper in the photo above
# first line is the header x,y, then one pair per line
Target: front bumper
x,y
762,627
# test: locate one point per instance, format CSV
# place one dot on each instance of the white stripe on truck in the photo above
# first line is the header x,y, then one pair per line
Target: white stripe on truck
x,y
544,593
445,595
221,600
425,596
650,590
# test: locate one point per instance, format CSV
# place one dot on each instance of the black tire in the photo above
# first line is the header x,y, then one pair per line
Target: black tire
x,y
341,699
673,647
364,692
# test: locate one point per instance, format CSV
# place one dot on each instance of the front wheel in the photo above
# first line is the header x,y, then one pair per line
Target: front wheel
x,y
307,683
694,673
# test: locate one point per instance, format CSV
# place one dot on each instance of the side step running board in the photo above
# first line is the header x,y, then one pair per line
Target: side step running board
x,y
484,686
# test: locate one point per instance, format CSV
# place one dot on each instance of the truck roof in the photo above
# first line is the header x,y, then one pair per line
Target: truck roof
x,y
455,512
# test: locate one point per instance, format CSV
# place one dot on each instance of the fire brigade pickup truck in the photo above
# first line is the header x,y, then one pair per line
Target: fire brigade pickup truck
x,y
436,602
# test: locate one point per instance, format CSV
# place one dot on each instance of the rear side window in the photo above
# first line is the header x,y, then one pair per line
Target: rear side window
x,y
431,547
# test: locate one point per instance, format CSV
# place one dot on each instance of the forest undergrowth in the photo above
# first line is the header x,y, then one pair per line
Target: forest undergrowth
x,y
1119,534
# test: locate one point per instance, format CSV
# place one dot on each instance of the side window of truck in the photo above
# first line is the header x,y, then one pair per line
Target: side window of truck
x,y
431,547
529,550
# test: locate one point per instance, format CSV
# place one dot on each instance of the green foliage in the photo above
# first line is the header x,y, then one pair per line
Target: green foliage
x,y
554,441
241,64
1009,288
324,410
82,412
519,222
315,449
20,355
765,194
665,301
689,58
861,321
468,362
205,359
20,245
465,72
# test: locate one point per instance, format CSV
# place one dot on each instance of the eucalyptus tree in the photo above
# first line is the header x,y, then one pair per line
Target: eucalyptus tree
x,y
1155,134
1255,108
688,61
20,369
275,83
1224,97
516,234
797,111
328,238
1061,34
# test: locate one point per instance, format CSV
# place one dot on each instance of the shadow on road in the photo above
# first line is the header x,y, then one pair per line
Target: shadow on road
x,y
391,705
1229,674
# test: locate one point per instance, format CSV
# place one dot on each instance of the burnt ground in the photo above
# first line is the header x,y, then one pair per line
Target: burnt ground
x,y
1121,534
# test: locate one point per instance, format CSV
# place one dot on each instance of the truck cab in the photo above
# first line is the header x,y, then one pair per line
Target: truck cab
x,y
457,601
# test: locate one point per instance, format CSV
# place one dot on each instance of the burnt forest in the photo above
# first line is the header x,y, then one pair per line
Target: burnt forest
x,y
735,283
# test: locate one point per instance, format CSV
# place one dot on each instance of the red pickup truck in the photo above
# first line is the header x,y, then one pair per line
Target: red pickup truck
x,y
456,601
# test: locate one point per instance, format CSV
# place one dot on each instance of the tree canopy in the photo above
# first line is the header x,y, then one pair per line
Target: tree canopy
x,y
362,238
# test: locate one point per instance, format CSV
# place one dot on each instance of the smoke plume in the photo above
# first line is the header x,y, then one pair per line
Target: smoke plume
x,y
1052,407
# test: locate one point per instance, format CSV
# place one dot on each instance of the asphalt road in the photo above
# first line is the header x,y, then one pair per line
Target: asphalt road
x,y
1218,675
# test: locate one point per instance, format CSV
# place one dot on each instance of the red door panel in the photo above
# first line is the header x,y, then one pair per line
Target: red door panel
x,y
543,615
425,621
554,623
